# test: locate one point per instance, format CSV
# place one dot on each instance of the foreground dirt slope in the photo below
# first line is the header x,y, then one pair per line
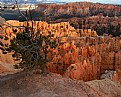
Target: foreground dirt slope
x,y
110,88
50,86
55,85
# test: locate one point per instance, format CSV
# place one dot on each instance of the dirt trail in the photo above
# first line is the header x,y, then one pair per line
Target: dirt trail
x,y
11,75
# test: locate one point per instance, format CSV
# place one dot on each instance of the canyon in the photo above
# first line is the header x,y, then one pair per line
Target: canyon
x,y
80,54
103,18
82,15
86,61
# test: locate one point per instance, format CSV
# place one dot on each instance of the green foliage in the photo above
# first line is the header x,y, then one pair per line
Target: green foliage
x,y
6,38
30,48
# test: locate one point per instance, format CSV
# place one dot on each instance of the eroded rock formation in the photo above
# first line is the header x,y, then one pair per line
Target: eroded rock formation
x,y
78,9
81,53
103,18
90,58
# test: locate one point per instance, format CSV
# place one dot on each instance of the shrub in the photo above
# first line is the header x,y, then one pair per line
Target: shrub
x,y
30,49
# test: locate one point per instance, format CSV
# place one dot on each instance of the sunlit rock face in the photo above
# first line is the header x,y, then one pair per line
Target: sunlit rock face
x,y
103,18
81,53
62,29
86,58
78,9
6,59
117,76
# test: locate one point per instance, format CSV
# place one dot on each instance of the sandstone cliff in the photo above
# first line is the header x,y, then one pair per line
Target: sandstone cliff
x,y
80,51
103,18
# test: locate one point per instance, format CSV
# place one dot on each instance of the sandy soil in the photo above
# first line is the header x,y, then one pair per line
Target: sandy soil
x,y
45,86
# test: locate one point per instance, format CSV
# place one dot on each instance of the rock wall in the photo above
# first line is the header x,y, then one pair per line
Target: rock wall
x,y
78,9
81,53
103,18
88,59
